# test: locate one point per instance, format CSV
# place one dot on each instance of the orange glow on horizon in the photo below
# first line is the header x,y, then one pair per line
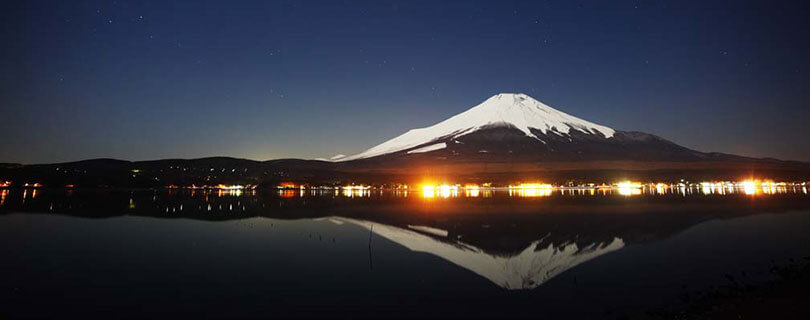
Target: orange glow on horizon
x,y
287,185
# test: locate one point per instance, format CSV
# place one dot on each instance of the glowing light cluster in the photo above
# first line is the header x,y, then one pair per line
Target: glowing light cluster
x,y
628,188
286,193
442,191
531,190
750,187
472,190
661,188
431,189
287,185
353,187
356,191
229,187
230,192
532,186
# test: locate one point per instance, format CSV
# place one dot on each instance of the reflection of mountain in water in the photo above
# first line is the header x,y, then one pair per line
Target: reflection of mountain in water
x,y
536,264
515,243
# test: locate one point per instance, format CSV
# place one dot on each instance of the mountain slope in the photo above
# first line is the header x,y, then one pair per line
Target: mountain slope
x,y
516,127
518,111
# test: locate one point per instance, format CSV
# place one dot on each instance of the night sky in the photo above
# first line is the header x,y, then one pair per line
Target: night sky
x,y
262,80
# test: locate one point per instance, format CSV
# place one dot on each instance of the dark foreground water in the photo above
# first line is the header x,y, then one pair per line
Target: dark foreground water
x,y
159,254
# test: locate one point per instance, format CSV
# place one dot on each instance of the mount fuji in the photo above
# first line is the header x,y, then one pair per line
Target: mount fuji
x,y
518,127
510,111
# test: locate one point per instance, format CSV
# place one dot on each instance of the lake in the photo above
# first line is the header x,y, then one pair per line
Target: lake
x,y
382,253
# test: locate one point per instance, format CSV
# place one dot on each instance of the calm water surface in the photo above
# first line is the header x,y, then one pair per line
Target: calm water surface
x,y
160,254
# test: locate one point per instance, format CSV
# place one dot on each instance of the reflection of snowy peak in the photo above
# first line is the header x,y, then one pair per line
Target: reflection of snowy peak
x,y
528,269
510,110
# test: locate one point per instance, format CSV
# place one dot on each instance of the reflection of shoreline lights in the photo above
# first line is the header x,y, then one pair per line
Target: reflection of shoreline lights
x,y
531,190
196,187
230,192
661,188
356,191
229,187
446,191
361,187
532,186
443,191
771,187
714,187
286,193
471,190
768,187
486,190
750,187
627,188
428,192
707,187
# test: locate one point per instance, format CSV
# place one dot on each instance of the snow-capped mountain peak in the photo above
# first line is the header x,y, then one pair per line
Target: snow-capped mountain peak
x,y
514,110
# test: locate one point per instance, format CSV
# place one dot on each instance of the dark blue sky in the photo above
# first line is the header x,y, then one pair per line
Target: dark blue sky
x,y
182,79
